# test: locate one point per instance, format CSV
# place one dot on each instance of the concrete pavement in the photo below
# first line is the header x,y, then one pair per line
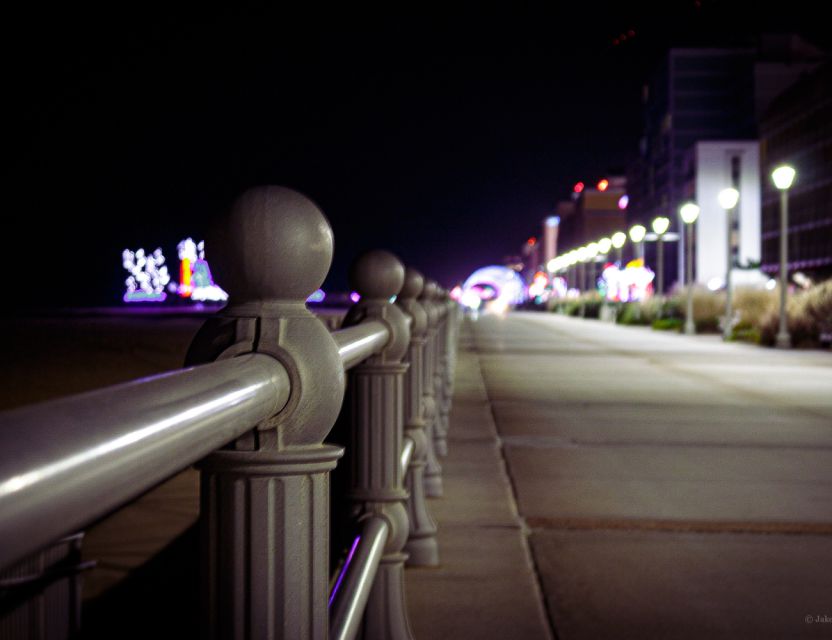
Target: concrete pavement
x,y
675,487
486,586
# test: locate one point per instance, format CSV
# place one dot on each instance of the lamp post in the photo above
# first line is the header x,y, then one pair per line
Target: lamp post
x,y
660,226
618,239
637,233
581,259
592,252
689,212
728,199
571,269
783,176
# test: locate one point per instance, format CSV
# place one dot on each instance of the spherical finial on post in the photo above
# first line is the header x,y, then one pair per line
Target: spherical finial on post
x,y
429,290
275,245
377,275
414,282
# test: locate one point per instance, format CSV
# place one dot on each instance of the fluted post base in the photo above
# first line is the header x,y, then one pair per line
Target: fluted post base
x,y
378,488
385,617
265,539
433,471
422,546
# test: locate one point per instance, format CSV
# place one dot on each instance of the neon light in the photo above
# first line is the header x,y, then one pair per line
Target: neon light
x,y
355,296
148,275
185,278
579,186
142,296
603,184
471,300
623,201
344,570
537,289
490,283
196,281
632,283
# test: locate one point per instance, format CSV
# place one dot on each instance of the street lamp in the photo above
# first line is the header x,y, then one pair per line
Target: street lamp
x,y
604,246
618,240
783,177
728,199
637,233
689,213
581,255
660,226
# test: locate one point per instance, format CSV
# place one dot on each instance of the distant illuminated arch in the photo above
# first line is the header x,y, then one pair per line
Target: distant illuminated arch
x,y
496,282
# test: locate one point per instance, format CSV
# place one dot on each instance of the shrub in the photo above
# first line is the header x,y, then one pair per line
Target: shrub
x,y
630,314
808,317
592,305
668,324
752,305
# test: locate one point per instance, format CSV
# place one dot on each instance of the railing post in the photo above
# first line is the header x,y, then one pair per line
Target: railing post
x,y
421,546
433,471
443,393
377,399
440,435
265,498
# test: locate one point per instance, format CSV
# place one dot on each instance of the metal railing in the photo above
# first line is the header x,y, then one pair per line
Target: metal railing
x,y
253,415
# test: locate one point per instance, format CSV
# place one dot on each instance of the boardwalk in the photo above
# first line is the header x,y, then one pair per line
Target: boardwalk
x,y
673,487
601,482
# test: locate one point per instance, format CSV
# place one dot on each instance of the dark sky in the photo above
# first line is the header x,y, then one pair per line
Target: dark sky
x,y
443,137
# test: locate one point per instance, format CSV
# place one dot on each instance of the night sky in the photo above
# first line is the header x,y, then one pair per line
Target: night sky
x,y
444,137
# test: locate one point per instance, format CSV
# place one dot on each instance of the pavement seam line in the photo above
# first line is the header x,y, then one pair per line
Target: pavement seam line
x,y
525,531
662,363
680,526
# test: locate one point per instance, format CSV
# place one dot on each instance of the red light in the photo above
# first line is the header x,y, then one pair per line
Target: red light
x,y
603,184
531,241
579,187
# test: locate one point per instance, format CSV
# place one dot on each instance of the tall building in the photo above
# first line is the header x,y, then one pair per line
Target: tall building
x,y
718,165
696,94
596,212
797,130
714,94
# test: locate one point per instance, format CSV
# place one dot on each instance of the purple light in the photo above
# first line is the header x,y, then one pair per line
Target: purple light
x,y
623,201
317,296
344,569
355,296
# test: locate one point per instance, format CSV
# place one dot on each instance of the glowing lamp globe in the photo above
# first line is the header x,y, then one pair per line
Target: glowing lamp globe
x,y
637,233
689,212
728,198
783,177
552,265
604,245
618,239
583,254
592,249
660,225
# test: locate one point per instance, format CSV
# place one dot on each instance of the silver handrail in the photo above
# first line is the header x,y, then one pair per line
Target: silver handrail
x,y
70,461
407,453
360,341
351,591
